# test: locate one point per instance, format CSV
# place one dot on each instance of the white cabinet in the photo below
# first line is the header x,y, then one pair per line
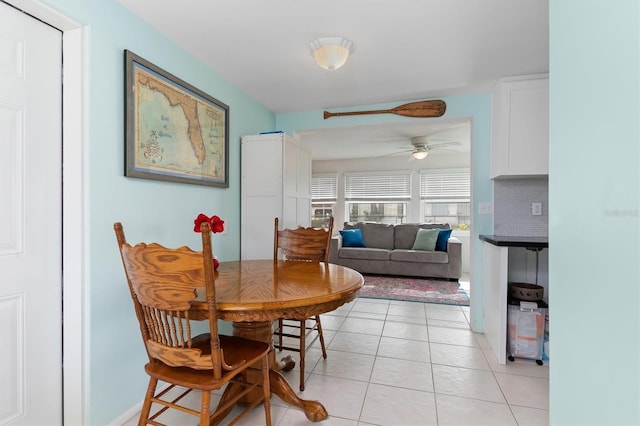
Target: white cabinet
x,y
520,127
495,261
276,182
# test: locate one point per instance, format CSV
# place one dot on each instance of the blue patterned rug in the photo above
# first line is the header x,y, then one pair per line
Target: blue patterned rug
x,y
414,290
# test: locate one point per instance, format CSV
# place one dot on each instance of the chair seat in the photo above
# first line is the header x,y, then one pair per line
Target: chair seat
x,y
235,350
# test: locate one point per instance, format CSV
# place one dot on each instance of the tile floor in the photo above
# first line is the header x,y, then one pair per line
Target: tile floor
x,y
408,363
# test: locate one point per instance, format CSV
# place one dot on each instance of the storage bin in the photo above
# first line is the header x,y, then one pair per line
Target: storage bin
x,y
525,330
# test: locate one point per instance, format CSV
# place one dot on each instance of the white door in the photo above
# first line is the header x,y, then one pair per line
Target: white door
x,y
30,221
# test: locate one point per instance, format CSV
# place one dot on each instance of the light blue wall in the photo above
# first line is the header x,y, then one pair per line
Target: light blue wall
x,y
594,202
149,210
478,108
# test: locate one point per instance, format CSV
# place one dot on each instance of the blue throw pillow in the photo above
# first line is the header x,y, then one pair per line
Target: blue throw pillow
x,y
352,238
443,239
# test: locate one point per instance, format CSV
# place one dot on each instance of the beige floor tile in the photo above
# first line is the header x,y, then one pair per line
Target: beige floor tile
x,y
457,411
405,331
346,365
402,373
355,342
341,397
410,320
342,310
458,356
483,342
448,324
408,310
412,350
391,406
452,336
429,306
446,315
295,417
530,416
256,416
532,392
367,315
468,383
371,307
362,325
520,366
330,322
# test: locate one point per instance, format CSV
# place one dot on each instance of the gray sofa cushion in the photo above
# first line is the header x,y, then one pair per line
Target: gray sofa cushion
x,y
364,253
405,233
418,256
375,235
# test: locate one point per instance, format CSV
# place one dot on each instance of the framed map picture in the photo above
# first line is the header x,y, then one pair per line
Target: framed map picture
x,y
174,132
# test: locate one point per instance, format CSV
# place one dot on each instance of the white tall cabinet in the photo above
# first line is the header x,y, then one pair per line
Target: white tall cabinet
x,y
276,182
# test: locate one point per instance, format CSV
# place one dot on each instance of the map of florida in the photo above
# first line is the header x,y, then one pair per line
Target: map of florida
x,y
188,104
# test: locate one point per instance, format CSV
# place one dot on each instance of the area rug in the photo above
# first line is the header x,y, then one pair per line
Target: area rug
x,y
414,290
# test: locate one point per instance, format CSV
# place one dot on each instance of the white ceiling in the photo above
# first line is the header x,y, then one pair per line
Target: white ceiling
x,y
403,50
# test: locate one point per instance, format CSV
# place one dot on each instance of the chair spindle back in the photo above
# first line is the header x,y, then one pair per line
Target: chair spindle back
x,y
162,282
309,244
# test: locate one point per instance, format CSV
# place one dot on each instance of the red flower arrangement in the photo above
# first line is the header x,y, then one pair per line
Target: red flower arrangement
x,y
215,223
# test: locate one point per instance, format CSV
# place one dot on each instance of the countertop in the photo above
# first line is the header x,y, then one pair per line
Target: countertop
x,y
513,241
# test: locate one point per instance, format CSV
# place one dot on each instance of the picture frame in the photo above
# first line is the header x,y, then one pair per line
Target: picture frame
x,y
174,131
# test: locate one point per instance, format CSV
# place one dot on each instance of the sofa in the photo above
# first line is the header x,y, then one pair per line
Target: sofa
x,y
388,250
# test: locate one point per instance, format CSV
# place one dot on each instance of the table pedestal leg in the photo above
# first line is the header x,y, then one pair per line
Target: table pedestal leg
x,y
314,410
263,331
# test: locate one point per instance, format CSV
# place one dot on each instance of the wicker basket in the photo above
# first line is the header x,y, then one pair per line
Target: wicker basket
x,y
525,291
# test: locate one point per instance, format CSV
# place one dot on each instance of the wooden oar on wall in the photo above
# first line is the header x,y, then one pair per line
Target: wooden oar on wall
x,y
435,108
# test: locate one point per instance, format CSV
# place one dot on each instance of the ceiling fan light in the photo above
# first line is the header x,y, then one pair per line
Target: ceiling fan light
x,y
331,52
420,154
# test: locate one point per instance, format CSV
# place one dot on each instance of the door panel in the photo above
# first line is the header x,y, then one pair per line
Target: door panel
x,y
30,220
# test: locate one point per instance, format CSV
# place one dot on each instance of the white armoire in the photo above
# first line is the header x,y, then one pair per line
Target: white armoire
x,y
276,182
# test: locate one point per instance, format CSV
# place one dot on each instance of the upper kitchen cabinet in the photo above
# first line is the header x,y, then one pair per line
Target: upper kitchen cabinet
x,y
520,127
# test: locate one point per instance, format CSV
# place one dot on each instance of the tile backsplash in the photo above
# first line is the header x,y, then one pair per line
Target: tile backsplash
x,y
512,199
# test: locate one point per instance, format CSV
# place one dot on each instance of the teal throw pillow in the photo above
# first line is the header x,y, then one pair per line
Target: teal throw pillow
x,y
425,240
352,238
443,239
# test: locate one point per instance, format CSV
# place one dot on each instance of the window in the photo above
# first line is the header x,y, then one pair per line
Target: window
x,y
380,197
446,197
323,199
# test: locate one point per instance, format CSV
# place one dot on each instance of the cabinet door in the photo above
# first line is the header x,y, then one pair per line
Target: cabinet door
x,y
261,195
304,172
290,168
520,144
262,167
257,230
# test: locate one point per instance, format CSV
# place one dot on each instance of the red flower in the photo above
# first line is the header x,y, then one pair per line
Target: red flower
x,y
215,223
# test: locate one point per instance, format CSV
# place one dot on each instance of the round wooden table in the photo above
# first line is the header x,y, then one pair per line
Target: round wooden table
x,y
254,293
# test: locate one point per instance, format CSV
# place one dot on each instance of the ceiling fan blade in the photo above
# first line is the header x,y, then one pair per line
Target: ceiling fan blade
x,y
391,154
445,143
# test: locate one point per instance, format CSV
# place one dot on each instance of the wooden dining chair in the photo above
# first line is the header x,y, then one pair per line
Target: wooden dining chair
x,y
163,283
301,244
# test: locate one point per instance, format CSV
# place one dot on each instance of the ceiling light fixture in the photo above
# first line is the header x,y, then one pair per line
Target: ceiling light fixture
x,y
331,52
420,153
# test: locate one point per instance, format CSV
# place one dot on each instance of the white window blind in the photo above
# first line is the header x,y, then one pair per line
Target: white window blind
x,y
324,188
378,187
445,185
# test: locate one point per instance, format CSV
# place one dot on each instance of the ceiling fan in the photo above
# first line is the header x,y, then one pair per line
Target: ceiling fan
x,y
422,145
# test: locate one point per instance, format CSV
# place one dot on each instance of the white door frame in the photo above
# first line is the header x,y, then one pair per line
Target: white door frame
x,y
74,299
